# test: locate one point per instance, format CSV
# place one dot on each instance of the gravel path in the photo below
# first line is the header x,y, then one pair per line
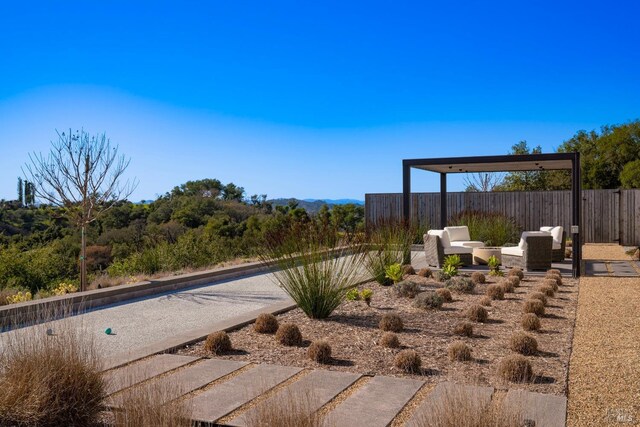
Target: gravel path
x,y
140,322
604,374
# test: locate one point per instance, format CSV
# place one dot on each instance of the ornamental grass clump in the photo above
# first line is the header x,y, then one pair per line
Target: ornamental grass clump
x,y
316,271
428,301
539,296
477,313
523,343
486,301
516,271
492,228
390,340
409,361
530,322
266,323
407,289
552,283
444,294
533,306
460,284
425,272
478,278
289,334
319,351
515,369
391,322
514,280
463,329
408,270
459,352
218,343
287,409
506,285
495,292
388,243
546,289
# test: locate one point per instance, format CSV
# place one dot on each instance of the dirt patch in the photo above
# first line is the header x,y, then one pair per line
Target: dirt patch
x,y
353,333
604,378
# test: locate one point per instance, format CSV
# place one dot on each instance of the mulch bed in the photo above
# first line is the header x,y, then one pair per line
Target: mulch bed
x,y
352,331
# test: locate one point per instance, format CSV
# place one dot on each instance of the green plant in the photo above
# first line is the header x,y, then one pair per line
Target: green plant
x,y
391,322
19,297
409,361
266,323
393,272
460,284
288,334
450,266
218,343
314,272
388,243
407,289
492,228
319,351
428,300
366,295
494,266
353,295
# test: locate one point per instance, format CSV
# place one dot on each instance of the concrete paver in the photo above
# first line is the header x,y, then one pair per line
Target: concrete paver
x,y
375,404
224,398
129,375
544,409
316,389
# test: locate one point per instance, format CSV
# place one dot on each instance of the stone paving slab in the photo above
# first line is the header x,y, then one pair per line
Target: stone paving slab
x,y
622,269
315,390
596,268
224,398
185,380
544,409
375,404
129,375
442,393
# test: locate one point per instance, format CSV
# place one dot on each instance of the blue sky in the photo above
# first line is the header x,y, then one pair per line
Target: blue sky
x,y
318,100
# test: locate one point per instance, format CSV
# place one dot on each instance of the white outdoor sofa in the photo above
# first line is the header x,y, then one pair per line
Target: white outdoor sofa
x,y
532,253
438,244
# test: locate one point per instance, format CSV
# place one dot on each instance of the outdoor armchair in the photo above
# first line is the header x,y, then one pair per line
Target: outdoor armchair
x,y
532,253
437,246
559,242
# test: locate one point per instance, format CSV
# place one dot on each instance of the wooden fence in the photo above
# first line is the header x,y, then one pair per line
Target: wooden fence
x,y
608,216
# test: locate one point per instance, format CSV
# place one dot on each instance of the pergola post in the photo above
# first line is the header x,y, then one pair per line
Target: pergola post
x,y
406,192
576,202
443,200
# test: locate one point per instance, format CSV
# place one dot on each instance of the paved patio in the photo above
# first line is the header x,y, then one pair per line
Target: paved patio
x,y
223,392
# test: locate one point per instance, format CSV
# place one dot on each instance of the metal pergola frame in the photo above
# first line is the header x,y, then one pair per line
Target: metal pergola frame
x,y
505,163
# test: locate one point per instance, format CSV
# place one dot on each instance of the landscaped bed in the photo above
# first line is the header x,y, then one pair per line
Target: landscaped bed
x,y
354,335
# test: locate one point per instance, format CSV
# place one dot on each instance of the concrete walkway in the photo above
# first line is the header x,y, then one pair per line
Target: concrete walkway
x,y
224,392
140,322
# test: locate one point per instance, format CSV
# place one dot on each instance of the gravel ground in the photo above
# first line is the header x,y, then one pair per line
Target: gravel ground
x,y
353,333
139,322
604,374
609,252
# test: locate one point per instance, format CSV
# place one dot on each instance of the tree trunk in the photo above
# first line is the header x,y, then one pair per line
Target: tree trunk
x,y
83,260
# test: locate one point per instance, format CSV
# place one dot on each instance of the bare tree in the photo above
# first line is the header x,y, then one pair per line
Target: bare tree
x,y
482,182
82,174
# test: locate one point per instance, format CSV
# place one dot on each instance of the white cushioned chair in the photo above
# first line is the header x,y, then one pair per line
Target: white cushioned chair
x,y
437,246
532,253
459,236
559,241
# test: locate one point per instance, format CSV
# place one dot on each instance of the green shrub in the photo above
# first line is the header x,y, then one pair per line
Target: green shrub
x,y
366,295
353,295
459,284
407,289
450,266
393,272
389,243
492,228
494,266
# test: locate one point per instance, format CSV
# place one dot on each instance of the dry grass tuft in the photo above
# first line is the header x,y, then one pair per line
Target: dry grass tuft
x,y
319,351
552,283
546,289
457,409
516,272
50,380
390,340
425,272
533,306
530,322
266,323
463,329
286,410
146,406
391,322
409,361
459,351
506,285
553,271
515,369
218,343
408,269
486,301
514,280
477,313
523,343
428,301
539,296
289,334
445,294
407,289
495,292
478,278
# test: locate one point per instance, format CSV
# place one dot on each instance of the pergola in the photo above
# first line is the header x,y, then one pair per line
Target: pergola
x,y
507,163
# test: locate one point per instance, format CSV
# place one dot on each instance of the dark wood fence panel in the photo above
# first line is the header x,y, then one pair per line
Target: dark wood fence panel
x,y
608,216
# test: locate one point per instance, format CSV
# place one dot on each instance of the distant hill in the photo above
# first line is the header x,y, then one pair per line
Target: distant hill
x,y
313,205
